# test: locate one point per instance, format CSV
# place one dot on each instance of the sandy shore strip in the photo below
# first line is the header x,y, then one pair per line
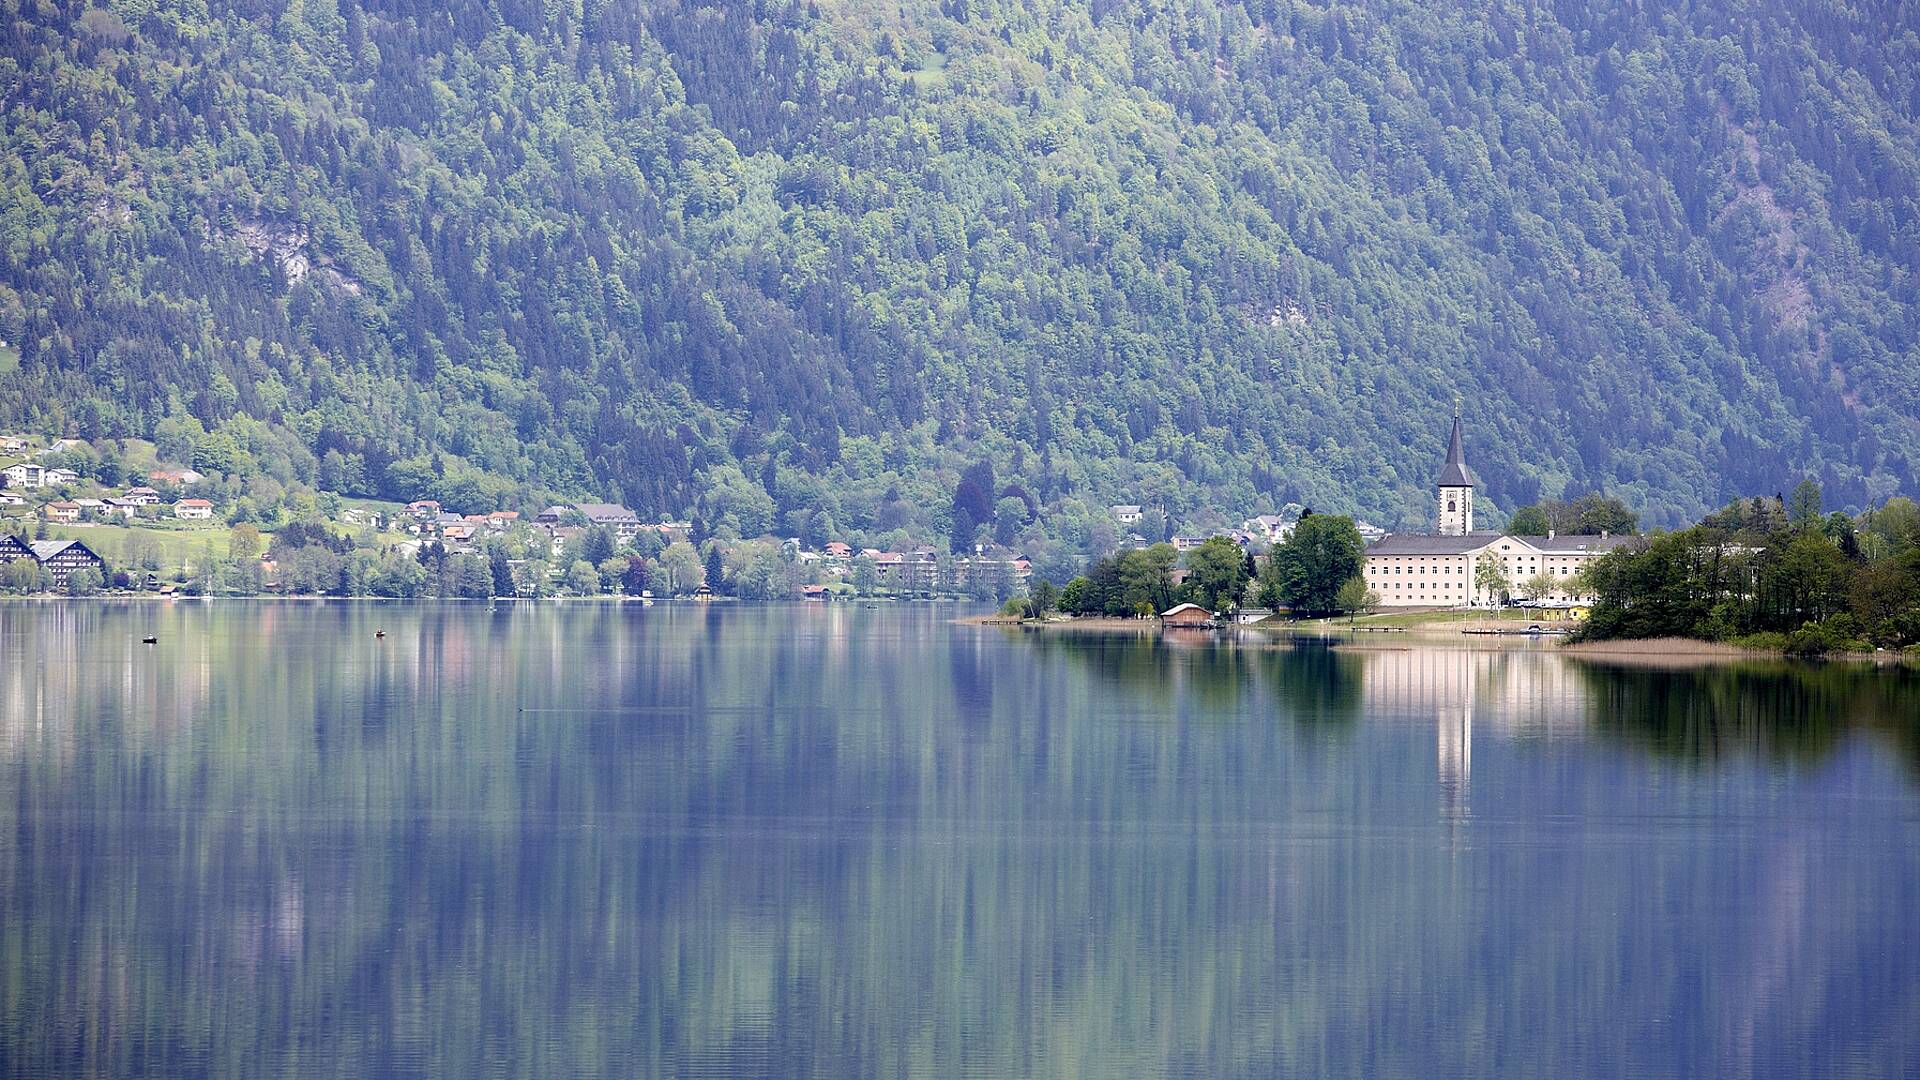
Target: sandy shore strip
x,y
1103,625
1665,652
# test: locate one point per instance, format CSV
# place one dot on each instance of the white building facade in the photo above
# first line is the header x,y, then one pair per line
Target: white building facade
x,y
1410,570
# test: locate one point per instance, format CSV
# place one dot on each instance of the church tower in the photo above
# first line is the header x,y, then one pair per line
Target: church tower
x,y
1455,516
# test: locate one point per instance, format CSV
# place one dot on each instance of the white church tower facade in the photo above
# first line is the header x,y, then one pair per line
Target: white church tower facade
x,y
1454,516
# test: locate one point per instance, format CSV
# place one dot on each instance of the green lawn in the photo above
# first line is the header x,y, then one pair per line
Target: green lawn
x,y
177,542
9,359
181,542
932,71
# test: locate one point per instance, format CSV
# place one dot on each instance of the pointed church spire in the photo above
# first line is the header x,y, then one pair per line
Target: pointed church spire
x,y
1455,473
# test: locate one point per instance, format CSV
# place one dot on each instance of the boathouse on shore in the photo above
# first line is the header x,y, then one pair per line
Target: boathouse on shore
x,y
1186,615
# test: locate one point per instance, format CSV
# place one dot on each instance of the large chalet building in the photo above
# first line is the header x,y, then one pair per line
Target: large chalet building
x,y
1438,569
60,558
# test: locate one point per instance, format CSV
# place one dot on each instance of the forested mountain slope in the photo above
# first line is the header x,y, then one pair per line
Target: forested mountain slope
x,y
793,265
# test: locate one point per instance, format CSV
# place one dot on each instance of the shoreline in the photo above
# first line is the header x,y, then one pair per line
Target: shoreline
x,y
1667,652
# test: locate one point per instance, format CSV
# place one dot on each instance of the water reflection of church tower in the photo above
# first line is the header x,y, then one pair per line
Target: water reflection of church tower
x,y
1453,748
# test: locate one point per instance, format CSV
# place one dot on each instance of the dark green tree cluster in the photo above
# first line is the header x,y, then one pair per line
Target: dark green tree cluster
x,y
1137,582
1588,515
1766,572
1308,572
1140,581
972,507
792,268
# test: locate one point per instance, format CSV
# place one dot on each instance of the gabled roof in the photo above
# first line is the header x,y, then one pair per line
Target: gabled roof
x,y
47,549
1571,544
1178,608
606,512
1455,472
1472,543
1422,544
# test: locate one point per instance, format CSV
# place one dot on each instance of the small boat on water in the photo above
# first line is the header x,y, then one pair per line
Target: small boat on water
x,y
149,640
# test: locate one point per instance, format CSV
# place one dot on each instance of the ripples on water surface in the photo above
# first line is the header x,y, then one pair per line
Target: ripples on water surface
x,y
599,840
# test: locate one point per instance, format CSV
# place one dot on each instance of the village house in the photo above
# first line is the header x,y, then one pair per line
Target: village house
x,y
888,568
24,475
561,534
502,520
624,522
62,446
8,498
424,509
61,511
13,445
91,508
142,496
1269,529
61,558
193,509
1126,513
1441,569
123,507
458,537
909,571
12,547
57,477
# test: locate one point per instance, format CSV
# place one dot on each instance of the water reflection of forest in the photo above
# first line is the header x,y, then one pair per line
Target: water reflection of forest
x,y
582,839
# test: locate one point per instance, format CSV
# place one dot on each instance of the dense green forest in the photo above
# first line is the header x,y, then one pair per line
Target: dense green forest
x,y
795,266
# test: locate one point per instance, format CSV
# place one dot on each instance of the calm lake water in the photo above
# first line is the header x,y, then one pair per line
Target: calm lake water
x,y
579,839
